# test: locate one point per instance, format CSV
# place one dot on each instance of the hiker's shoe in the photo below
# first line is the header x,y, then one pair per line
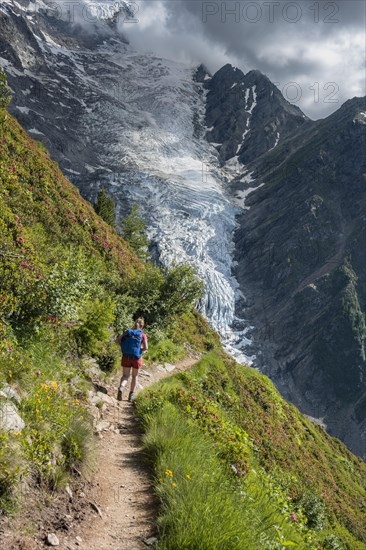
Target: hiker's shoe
x,y
131,396
120,393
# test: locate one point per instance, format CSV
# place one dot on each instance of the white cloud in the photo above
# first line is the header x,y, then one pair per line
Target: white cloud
x,y
306,52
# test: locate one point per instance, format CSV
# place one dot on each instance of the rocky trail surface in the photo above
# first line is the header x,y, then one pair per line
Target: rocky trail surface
x,y
115,508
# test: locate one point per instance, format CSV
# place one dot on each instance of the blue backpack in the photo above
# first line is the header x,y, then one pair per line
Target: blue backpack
x,y
131,342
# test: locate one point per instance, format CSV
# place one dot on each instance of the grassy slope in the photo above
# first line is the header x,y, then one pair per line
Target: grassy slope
x,y
251,427
34,191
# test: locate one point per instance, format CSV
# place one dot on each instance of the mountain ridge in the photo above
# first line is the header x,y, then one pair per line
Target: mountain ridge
x,y
247,114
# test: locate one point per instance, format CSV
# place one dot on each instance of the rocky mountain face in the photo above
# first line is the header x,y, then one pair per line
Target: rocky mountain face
x,y
300,249
246,115
202,154
60,80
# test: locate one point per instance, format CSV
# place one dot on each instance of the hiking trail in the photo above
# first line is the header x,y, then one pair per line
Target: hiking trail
x,y
121,489
114,508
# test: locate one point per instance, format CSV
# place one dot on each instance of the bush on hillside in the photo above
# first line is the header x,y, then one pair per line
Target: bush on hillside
x,y
181,290
5,92
106,208
93,331
133,230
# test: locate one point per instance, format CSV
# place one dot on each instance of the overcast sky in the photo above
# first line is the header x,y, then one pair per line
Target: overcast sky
x,y
313,50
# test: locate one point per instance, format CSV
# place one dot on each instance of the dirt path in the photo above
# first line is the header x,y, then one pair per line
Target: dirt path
x,y
121,489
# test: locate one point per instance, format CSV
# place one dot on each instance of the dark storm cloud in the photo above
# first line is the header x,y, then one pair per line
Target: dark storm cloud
x,y
314,50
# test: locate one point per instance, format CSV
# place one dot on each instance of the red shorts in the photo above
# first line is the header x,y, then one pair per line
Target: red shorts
x,y
131,361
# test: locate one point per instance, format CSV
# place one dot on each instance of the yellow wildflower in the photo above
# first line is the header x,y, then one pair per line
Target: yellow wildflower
x,y
54,385
188,476
169,473
174,484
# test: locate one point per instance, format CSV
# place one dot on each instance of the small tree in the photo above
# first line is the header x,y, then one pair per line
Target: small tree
x,y
105,207
5,92
181,290
133,230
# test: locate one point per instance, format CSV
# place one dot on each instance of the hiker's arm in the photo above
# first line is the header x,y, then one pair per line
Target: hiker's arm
x,y
118,339
144,345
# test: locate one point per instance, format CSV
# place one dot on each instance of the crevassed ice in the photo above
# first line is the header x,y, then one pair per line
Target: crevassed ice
x,y
175,177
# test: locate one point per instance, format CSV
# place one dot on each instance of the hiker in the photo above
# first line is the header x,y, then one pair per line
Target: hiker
x,y
133,343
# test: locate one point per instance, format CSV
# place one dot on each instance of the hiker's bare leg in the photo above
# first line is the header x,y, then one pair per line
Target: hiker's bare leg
x,y
125,376
135,373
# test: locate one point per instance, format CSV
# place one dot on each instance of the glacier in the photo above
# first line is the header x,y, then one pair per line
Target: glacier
x,y
175,177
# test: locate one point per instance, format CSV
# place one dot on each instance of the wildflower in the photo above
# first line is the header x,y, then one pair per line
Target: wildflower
x,y
21,240
38,373
188,476
174,484
54,385
169,473
294,517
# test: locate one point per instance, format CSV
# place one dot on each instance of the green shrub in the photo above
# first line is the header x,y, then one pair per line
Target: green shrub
x,y
146,289
181,290
133,230
5,92
105,207
109,357
161,295
78,444
70,283
93,330
314,511
209,343
49,414
331,542
125,309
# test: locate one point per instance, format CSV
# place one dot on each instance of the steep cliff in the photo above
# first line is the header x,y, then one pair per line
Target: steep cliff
x,y
301,254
